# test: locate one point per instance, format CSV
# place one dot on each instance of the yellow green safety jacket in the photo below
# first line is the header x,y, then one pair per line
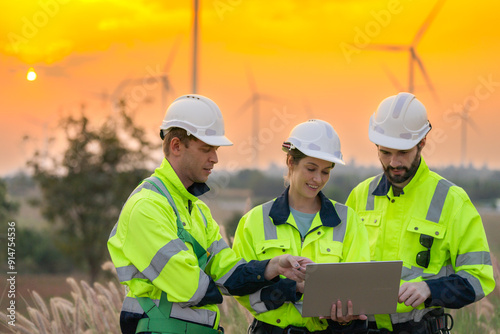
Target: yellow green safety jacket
x,y
336,235
459,271
151,259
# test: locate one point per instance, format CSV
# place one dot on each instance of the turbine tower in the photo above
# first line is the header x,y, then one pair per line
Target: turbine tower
x,y
195,46
465,121
254,102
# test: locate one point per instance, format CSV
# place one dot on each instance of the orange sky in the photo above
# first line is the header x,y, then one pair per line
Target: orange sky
x,y
314,57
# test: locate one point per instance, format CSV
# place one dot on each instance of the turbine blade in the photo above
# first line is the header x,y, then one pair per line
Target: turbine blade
x,y
248,103
395,82
427,78
472,124
173,52
388,47
268,98
251,80
427,22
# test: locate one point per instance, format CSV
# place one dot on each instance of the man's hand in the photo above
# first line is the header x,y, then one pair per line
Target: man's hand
x,y
300,287
292,267
337,315
414,294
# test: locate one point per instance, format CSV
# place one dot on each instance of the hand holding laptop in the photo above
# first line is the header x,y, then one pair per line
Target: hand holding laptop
x,y
338,316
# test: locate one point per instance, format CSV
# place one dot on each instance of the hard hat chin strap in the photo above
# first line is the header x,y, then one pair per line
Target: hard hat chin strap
x,y
288,146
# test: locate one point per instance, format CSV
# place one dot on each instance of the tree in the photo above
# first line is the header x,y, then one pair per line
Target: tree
x,y
7,207
83,192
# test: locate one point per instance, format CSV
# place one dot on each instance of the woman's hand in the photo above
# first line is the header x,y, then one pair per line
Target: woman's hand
x,y
292,267
337,315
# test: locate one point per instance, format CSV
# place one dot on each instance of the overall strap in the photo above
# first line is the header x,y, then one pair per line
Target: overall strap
x,y
159,320
185,236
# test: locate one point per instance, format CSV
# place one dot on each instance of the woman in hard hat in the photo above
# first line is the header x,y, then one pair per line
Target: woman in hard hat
x,y
302,221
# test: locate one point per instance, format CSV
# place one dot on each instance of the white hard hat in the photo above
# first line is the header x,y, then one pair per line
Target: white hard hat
x,y
317,139
199,116
400,122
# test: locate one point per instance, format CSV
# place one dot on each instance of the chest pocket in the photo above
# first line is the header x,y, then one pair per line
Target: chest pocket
x,y
372,221
411,241
270,248
330,251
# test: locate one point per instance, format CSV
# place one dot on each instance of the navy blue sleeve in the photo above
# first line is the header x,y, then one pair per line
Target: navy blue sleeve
x,y
212,296
248,278
277,294
451,292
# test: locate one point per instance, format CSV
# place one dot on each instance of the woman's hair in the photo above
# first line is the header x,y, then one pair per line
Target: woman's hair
x,y
294,155
171,134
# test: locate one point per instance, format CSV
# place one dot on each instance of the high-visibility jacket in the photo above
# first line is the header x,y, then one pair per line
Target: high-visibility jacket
x,y
150,258
460,270
336,235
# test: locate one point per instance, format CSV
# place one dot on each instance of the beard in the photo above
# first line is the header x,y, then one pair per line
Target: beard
x,y
408,174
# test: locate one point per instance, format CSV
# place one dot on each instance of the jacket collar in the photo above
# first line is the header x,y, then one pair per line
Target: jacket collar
x,y
280,211
167,174
384,185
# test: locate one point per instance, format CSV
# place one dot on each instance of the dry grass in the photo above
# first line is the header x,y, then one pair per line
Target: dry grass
x,y
94,309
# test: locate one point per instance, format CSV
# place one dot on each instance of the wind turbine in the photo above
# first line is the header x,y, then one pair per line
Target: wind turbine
x,y
254,102
414,58
465,120
118,96
195,45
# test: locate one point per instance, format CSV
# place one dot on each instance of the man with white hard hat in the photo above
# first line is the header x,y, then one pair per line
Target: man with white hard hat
x,y
414,215
166,246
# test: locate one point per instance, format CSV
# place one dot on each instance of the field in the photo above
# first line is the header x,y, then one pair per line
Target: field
x,y
481,317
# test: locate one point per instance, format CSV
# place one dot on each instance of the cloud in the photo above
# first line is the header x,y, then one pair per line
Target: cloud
x,y
50,30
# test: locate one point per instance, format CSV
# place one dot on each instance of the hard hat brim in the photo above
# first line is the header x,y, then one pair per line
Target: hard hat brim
x,y
391,142
325,156
319,155
215,140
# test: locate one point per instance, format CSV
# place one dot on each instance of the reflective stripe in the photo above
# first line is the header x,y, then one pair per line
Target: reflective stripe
x,y
408,274
339,230
298,305
132,305
217,246
198,295
160,185
256,303
221,281
128,272
370,201
401,100
113,231
202,216
161,258
437,202
397,318
198,316
269,227
473,258
474,281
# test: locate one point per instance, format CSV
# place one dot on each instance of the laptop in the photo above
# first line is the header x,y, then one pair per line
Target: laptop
x,y
372,287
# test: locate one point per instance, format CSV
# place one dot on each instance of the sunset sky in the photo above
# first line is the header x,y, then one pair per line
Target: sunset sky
x,y
316,58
